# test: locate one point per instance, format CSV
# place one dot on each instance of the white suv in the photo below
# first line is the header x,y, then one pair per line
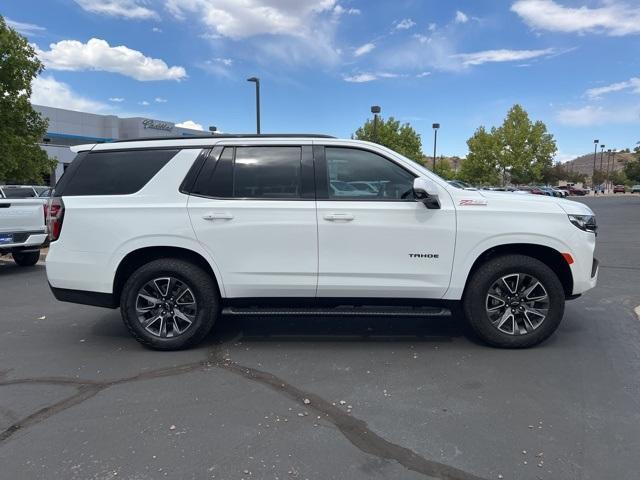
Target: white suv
x,y
173,231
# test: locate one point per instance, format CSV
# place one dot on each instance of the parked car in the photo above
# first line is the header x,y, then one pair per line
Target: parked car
x,y
533,190
574,190
635,189
22,229
619,189
201,230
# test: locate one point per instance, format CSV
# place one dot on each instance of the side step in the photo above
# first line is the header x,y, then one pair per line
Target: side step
x,y
365,311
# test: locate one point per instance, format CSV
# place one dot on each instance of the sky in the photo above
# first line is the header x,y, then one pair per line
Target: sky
x,y
573,64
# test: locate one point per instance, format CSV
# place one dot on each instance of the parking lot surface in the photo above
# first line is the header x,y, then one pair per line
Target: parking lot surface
x,y
326,398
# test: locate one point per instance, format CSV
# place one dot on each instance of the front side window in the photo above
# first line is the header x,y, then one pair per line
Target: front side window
x,y
361,175
267,172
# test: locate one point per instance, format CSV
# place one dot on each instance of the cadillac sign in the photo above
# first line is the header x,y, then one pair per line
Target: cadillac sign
x,y
156,125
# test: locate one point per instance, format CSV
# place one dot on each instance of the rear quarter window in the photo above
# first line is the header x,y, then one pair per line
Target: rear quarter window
x,y
112,172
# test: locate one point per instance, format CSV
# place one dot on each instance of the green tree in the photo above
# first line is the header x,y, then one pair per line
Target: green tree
x,y
481,165
632,171
618,178
21,127
598,177
519,149
401,138
444,169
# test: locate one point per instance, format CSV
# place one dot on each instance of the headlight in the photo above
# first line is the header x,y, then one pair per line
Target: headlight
x,y
584,222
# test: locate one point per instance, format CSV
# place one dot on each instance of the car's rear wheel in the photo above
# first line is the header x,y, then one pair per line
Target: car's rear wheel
x,y
26,259
514,301
169,304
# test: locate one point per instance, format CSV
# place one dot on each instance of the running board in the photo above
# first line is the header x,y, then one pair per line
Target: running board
x,y
342,311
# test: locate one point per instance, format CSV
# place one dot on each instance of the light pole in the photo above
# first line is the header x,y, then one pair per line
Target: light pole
x,y
375,109
256,80
435,126
606,183
595,153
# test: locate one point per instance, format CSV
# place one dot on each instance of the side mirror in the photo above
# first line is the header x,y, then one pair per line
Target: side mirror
x,y
426,191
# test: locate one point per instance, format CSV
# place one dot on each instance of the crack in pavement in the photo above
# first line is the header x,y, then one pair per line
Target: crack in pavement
x,y
356,431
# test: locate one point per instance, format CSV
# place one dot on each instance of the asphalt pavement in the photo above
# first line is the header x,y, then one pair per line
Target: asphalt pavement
x,y
326,398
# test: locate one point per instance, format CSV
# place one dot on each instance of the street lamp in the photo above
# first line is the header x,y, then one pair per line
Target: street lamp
x,y
595,153
435,126
606,177
375,109
256,80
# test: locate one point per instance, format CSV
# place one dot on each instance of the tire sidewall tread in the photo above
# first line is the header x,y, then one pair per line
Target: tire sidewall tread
x,y
203,287
475,296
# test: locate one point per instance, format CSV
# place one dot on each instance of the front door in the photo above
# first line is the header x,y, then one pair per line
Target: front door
x,y
374,238
254,210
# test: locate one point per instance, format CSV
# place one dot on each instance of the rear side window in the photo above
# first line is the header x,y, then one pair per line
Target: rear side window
x,y
18,192
113,172
254,172
267,172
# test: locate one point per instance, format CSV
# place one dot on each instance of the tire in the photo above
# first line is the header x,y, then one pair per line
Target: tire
x,y
26,259
199,303
521,329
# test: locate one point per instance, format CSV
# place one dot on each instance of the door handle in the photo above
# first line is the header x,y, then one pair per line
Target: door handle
x,y
333,217
218,216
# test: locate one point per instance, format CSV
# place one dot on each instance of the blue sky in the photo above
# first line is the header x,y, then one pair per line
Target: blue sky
x,y
574,64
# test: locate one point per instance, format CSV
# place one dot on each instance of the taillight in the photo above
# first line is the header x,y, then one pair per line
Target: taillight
x,y
55,216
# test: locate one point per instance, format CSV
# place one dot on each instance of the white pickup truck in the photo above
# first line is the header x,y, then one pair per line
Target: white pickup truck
x,y
22,229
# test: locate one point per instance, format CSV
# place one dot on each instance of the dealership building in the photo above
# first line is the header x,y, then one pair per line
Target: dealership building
x,y
68,128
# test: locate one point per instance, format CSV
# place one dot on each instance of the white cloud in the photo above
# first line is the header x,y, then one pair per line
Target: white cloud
x,y
502,55
371,76
632,83
287,31
461,17
97,54
144,103
361,78
25,28
160,100
591,115
190,124
248,18
116,99
339,10
364,49
130,9
156,30
613,18
46,90
405,24
423,74
217,66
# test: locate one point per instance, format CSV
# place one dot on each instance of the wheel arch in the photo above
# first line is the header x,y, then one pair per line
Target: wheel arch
x,y
547,255
137,258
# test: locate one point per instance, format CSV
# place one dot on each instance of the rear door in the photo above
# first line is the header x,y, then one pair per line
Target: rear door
x,y
374,238
253,207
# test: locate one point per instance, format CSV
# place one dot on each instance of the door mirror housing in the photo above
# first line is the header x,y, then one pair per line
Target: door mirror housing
x,y
426,191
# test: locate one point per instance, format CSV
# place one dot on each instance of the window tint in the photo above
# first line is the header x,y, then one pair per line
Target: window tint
x,y
267,172
113,173
18,192
360,175
216,177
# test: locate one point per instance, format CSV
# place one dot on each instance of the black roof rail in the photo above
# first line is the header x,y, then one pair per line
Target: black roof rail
x,y
229,135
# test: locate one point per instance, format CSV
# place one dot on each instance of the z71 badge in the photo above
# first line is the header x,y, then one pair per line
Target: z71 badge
x,y
473,202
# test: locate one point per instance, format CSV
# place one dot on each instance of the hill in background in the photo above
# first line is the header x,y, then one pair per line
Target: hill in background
x,y
584,163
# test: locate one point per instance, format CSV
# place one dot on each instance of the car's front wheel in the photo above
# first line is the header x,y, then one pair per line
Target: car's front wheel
x,y
514,301
169,304
26,259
